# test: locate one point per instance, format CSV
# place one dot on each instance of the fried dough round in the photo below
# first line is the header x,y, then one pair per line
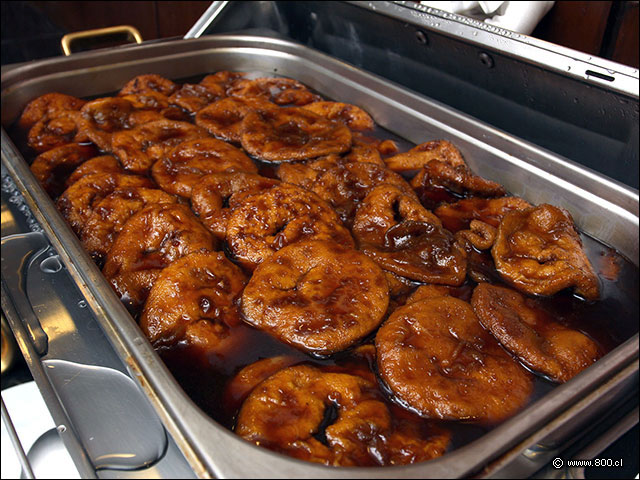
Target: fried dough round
x,y
211,197
102,164
249,377
101,118
353,117
399,234
281,91
222,80
420,251
305,174
317,296
193,98
192,300
54,130
139,148
458,216
148,83
77,202
223,118
439,181
538,251
109,215
149,241
150,100
437,359
47,105
359,432
385,206
364,153
289,134
542,344
421,155
344,186
191,160
266,221
52,167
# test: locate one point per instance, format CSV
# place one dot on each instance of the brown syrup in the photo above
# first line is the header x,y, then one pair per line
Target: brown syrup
x,y
609,321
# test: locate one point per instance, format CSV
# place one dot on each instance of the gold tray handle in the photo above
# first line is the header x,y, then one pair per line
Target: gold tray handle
x,y
69,38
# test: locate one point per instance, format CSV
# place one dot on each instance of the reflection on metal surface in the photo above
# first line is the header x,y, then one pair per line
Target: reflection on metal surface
x,y
48,456
8,346
7,218
51,264
45,281
536,451
103,403
17,250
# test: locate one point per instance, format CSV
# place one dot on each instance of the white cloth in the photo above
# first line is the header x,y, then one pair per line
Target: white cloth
x,y
521,17
31,419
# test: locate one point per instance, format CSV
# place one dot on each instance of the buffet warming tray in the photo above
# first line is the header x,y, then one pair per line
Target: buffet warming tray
x,y
601,207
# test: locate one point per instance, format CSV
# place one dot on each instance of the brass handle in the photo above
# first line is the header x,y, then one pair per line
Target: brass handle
x,y
66,41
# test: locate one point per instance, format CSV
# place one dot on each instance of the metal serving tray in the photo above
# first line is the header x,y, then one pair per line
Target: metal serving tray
x,y
603,208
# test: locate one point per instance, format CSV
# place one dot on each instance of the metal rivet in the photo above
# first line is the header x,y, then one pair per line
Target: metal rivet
x,y
486,59
421,37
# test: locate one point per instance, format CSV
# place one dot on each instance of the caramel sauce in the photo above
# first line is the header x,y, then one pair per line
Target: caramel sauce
x,y
206,386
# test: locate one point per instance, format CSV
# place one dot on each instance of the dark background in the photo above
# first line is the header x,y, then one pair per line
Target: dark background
x,y
32,30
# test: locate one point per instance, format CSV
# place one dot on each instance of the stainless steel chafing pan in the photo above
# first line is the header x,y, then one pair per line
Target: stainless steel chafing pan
x,y
603,208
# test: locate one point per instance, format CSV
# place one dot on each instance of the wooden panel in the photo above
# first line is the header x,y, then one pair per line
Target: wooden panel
x,y
176,18
626,43
577,25
77,16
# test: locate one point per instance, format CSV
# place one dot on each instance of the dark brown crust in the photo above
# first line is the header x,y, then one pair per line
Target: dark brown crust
x,y
223,118
54,130
188,162
458,216
213,192
148,83
149,241
316,296
193,300
289,134
538,251
77,201
281,91
421,155
52,168
47,105
544,345
110,214
344,186
285,413
353,117
436,357
139,148
266,221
